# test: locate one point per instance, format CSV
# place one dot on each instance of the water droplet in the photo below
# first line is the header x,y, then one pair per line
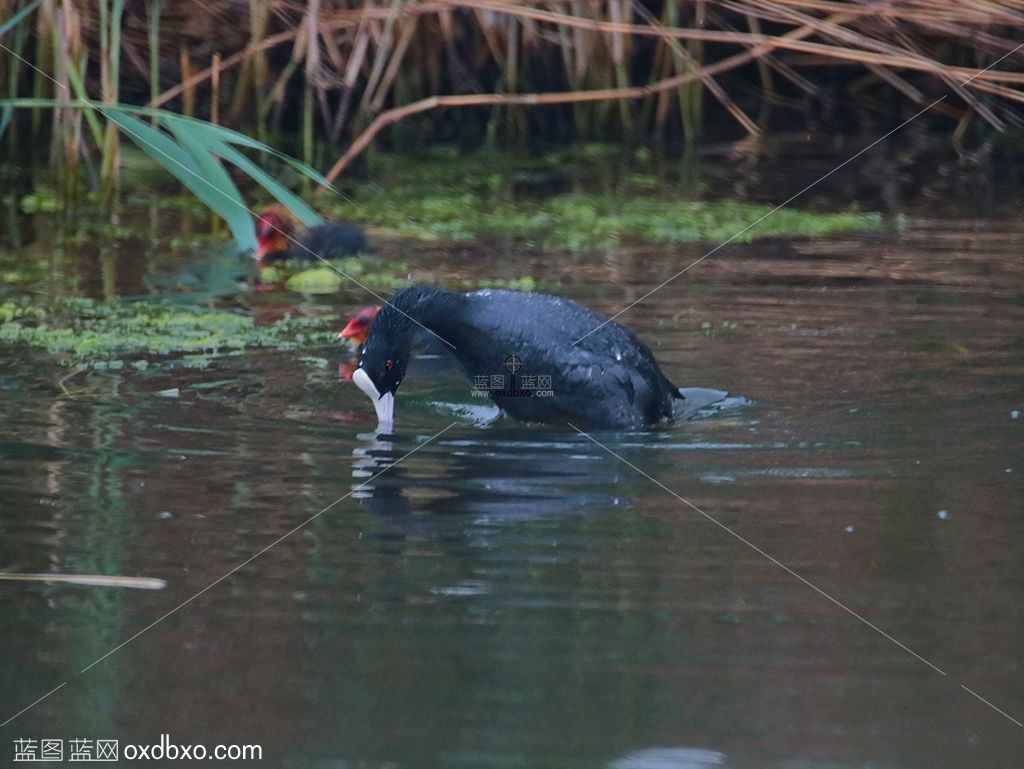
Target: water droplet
x,y
1015,414
849,529
165,514
943,514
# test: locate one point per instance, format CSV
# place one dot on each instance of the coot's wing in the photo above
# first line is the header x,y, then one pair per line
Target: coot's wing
x,y
614,393
609,376
615,342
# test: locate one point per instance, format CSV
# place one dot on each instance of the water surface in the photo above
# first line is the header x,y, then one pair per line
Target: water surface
x,y
516,596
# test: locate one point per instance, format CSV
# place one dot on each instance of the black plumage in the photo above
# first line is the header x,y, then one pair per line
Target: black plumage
x,y
603,378
333,240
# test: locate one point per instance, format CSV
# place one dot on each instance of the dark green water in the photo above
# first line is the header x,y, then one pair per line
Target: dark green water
x,y
515,596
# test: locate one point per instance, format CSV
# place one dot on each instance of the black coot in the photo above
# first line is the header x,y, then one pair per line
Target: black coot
x,y
517,347
280,236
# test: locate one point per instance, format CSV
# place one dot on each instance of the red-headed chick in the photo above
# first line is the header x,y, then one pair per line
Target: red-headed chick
x,y
274,226
279,236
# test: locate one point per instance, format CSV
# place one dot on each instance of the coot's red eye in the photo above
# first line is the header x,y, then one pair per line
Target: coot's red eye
x,y
388,365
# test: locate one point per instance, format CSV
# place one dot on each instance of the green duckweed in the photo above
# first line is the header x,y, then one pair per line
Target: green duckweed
x,y
103,334
446,196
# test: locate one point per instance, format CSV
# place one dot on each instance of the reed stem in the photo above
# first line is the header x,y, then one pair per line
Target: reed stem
x,y
155,8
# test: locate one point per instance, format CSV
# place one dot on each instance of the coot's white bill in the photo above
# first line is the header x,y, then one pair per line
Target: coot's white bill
x,y
383,404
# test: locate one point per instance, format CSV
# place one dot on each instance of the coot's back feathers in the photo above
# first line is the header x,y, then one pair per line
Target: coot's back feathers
x,y
609,378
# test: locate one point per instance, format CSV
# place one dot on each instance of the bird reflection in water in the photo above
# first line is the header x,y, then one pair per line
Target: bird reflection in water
x,y
505,476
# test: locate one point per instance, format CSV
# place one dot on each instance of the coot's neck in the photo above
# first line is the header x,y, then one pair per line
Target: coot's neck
x,y
435,309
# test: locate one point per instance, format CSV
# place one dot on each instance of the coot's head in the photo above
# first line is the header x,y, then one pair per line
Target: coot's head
x,y
386,350
383,361
274,224
359,324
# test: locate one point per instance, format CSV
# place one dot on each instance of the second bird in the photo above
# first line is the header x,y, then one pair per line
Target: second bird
x,y
280,236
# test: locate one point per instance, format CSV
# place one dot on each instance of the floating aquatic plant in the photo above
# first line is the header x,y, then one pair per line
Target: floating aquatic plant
x,y
140,334
319,280
382,277
95,332
318,277
441,196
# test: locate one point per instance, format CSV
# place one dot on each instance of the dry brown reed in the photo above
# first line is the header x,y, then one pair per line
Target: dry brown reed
x,y
337,71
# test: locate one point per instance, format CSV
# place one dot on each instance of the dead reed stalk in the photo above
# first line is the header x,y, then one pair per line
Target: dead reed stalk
x,y
359,66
